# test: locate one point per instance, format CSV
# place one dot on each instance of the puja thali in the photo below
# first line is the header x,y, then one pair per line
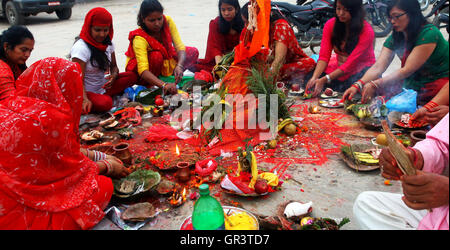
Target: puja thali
x,y
331,103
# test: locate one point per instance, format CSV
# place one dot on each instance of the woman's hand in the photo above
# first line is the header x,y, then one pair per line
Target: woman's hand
x,y
86,106
425,190
317,84
368,92
350,93
420,114
111,79
171,88
178,73
311,84
118,169
435,115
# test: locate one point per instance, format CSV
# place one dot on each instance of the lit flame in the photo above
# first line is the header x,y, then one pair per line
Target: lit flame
x,y
184,194
177,151
177,199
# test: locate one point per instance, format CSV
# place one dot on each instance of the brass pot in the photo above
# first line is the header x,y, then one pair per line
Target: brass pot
x,y
122,152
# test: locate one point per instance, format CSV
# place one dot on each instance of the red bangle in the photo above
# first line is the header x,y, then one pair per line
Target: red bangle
x,y
416,158
357,87
430,105
362,82
108,165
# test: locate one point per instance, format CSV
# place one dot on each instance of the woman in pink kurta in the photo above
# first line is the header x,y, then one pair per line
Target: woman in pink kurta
x,y
352,40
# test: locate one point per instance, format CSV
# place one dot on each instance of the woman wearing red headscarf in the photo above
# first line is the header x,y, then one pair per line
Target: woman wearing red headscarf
x,y
45,181
94,51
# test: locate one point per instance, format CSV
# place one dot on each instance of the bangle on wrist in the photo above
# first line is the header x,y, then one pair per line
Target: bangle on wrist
x,y
328,79
415,158
362,82
109,167
374,84
98,156
178,65
430,105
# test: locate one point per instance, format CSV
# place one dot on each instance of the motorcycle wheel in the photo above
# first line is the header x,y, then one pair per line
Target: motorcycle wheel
x,y
381,27
424,4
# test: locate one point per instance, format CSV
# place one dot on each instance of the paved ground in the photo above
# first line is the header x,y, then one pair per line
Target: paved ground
x,y
332,187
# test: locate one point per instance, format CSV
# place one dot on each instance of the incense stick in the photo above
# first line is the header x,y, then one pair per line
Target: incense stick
x,y
398,151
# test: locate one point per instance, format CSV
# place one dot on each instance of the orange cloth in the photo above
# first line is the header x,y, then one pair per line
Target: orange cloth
x,y
259,38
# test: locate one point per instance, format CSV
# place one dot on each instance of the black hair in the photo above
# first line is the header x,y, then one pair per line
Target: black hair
x,y
99,58
274,14
355,7
416,21
237,23
14,35
147,7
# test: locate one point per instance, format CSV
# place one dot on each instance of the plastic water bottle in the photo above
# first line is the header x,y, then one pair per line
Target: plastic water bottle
x,y
208,213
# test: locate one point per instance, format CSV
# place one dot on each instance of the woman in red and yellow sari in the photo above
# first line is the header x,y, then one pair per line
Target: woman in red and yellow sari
x,y
46,182
156,48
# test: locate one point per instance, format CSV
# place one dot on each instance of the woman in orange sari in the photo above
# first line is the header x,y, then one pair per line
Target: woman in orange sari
x,y
251,42
46,182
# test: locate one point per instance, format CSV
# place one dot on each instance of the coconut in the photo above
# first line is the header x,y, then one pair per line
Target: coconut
x,y
290,129
272,144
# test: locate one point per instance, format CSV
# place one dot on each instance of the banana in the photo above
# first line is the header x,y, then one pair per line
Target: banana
x,y
285,122
254,167
365,158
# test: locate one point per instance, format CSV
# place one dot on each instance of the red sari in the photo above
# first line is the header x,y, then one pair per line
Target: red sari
x,y
218,45
297,62
7,79
45,181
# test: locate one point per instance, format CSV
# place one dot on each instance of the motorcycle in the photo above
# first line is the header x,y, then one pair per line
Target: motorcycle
x,y
440,11
377,16
307,19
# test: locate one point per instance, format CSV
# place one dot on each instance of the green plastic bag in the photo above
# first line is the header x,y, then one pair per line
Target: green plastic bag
x,y
171,79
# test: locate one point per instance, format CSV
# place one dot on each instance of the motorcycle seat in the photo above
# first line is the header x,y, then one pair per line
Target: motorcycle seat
x,y
292,7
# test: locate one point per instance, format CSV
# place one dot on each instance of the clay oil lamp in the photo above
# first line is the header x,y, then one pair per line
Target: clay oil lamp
x,y
122,152
178,198
183,173
313,109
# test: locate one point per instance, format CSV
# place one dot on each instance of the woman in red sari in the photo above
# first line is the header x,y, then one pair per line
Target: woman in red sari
x,y
224,32
16,44
45,181
286,53
156,49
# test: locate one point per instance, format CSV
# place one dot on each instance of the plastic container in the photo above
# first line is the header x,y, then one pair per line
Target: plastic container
x,y
208,212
